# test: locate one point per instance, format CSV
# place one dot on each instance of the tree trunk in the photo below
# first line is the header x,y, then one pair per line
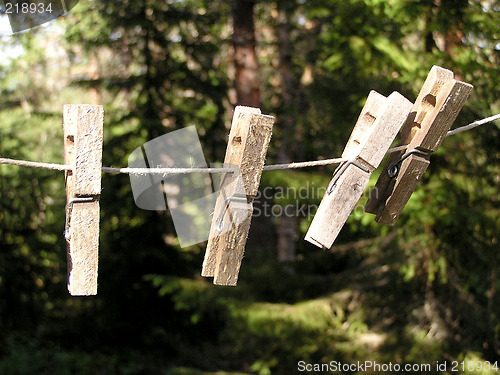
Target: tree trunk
x,y
287,226
245,55
95,95
248,93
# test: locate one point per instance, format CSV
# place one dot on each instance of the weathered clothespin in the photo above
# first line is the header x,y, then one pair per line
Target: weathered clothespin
x,y
247,147
434,111
377,126
83,136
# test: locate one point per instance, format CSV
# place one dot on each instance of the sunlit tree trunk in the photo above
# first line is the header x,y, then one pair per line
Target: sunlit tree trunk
x,y
95,96
287,224
245,55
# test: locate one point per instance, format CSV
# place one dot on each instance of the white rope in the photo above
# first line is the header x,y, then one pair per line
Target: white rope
x,y
164,171
473,125
303,164
35,164
167,171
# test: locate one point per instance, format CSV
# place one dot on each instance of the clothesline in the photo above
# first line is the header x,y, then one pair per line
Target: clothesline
x,y
174,170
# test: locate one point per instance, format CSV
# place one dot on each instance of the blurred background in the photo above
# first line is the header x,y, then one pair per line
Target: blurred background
x,y
425,290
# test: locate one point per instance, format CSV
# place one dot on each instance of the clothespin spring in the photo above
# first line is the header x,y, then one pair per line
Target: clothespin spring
x,y
393,169
341,169
220,219
69,208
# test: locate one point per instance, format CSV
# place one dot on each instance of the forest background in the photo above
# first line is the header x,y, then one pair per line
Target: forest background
x,y
425,290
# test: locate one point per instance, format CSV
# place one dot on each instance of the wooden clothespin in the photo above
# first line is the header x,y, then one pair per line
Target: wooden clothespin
x,y
247,147
377,126
83,135
436,108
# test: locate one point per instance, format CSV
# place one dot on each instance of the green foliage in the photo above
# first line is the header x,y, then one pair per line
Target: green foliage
x,y
30,261
422,291
31,356
363,315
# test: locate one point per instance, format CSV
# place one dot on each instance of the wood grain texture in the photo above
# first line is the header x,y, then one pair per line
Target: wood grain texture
x,y
412,170
434,127
83,137
436,108
384,129
83,134
422,110
380,120
247,148
231,185
238,135
360,133
232,247
83,249
336,207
